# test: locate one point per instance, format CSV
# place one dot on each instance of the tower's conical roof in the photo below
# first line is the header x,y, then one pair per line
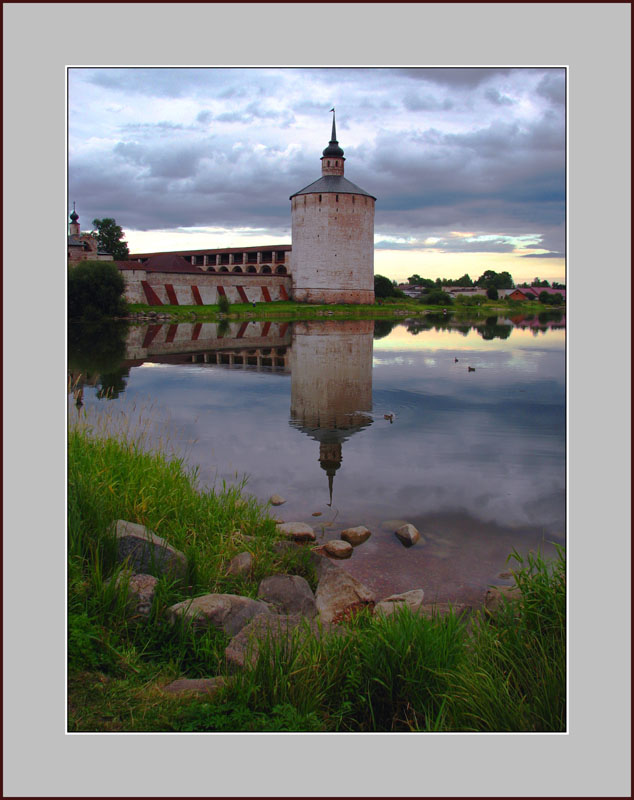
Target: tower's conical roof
x,y
330,184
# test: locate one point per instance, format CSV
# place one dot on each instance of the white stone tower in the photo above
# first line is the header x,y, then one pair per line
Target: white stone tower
x,y
332,259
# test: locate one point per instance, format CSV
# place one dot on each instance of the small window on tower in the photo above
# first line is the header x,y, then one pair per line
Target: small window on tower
x,y
329,163
320,198
337,198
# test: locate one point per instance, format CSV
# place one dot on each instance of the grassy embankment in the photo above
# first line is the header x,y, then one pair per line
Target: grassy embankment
x,y
398,674
289,310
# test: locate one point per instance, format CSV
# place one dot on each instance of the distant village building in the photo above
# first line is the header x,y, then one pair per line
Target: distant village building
x,y
83,247
331,259
410,290
533,292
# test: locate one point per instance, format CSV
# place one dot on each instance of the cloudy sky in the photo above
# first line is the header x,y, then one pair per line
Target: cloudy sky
x,y
468,165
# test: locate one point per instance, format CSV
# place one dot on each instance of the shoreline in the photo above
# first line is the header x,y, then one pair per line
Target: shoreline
x,y
289,311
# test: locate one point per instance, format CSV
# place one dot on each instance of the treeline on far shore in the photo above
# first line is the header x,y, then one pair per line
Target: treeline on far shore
x,y
491,285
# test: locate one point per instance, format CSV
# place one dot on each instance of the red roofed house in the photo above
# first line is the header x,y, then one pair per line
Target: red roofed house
x,y
533,292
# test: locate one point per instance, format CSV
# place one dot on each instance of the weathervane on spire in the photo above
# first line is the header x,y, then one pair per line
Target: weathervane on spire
x,y
333,137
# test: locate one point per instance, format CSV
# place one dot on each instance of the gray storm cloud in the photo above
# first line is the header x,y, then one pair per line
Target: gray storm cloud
x,y
442,149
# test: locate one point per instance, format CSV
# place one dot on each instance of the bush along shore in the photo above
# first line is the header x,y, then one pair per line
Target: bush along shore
x,y
194,610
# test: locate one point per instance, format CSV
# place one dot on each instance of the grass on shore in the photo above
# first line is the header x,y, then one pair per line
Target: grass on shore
x,y
404,673
289,310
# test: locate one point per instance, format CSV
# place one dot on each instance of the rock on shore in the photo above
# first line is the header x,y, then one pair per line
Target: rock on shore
x,y
146,552
298,531
242,564
289,594
335,548
140,592
412,600
244,648
408,534
356,535
229,612
496,595
205,686
337,591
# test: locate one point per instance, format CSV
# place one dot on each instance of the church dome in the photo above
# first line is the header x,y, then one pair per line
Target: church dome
x,y
333,150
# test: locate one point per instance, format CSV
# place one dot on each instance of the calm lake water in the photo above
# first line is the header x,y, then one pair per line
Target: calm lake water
x,y
474,458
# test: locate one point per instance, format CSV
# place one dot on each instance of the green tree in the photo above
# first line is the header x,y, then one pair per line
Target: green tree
x,y
505,281
95,289
537,283
110,235
383,287
414,279
500,280
464,281
492,293
550,299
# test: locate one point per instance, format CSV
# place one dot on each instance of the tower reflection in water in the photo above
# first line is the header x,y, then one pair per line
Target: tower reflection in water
x,y
331,385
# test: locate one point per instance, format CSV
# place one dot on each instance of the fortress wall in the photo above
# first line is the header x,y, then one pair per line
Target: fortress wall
x,y
255,287
133,289
333,246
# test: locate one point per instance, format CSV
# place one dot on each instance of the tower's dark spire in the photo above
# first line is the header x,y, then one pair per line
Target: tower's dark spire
x,y
333,150
74,216
330,460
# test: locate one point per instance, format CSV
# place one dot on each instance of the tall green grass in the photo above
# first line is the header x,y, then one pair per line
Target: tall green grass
x,y
114,475
504,672
117,478
515,678
375,674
